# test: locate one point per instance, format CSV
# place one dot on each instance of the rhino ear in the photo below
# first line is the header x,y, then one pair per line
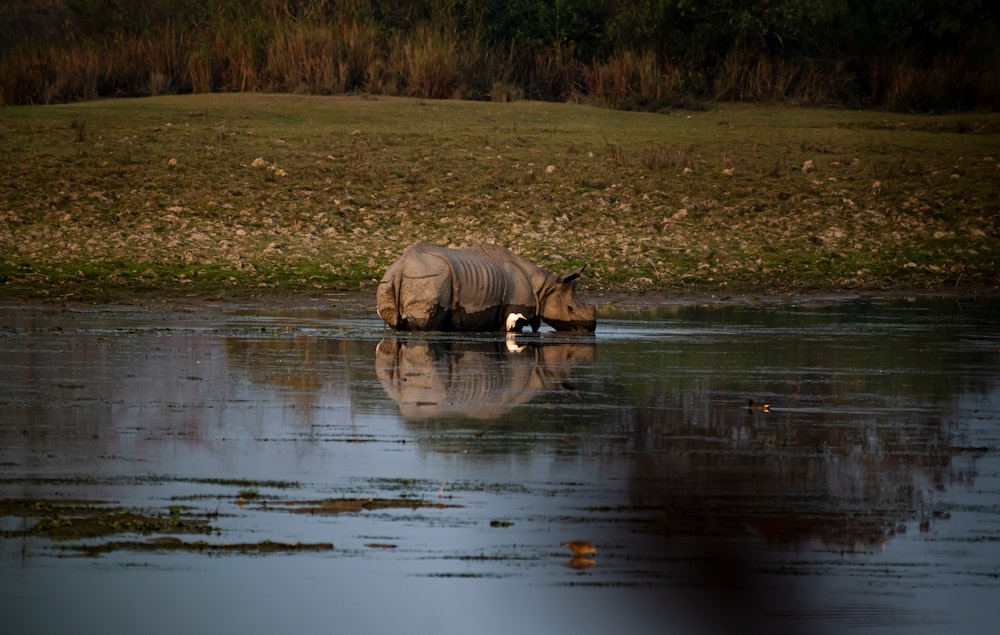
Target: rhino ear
x,y
573,275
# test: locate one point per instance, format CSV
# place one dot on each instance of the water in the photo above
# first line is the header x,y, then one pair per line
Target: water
x,y
865,498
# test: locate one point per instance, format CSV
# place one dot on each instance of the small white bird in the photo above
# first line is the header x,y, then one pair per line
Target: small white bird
x,y
516,322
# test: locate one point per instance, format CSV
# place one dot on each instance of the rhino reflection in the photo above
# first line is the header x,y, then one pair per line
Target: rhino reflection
x,y
476,379
790,476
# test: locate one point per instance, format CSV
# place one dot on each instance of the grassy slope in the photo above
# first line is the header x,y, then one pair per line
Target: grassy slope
x,y
164,194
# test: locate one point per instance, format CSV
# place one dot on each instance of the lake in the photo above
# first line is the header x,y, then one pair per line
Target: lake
x,y
810,465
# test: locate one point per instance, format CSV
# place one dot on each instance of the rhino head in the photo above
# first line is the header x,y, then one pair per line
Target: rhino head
x,y
560,308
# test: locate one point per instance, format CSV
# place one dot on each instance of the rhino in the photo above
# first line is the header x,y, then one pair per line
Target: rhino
x,y
484,288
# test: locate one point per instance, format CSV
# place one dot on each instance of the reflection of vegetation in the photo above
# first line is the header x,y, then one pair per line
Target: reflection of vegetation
x,y
299,355
821,357
311,368
858,434
785,485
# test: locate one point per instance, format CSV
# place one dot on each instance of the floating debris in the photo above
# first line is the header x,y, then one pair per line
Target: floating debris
x,y
581,547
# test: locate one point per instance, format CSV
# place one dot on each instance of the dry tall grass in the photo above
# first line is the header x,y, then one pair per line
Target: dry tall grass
x,y
631,79
434,59
325,60
349,53
745,76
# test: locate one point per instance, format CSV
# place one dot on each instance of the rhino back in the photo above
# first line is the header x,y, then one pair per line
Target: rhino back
x,y
526,280
480,283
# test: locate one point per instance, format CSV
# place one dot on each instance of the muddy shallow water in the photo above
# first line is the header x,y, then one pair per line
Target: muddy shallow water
x,y
230,467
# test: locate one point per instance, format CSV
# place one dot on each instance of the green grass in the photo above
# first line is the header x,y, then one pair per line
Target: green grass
x,y
166,194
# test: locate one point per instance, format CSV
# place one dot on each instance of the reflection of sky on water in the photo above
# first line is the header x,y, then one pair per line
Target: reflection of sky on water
x,y
807,516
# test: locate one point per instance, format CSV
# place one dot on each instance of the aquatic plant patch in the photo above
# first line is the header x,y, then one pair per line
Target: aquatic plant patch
x,y
77,519
356,505
263,547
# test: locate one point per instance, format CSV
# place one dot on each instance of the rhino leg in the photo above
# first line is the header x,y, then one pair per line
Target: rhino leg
x,y
385,302
535,322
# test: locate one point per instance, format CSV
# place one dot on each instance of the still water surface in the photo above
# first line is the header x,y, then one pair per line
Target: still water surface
x,y
865,498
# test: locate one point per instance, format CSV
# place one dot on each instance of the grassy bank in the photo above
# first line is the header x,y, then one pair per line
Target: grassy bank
x,y
248,191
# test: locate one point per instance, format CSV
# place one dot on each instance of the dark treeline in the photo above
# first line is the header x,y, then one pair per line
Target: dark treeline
x,y
922,55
